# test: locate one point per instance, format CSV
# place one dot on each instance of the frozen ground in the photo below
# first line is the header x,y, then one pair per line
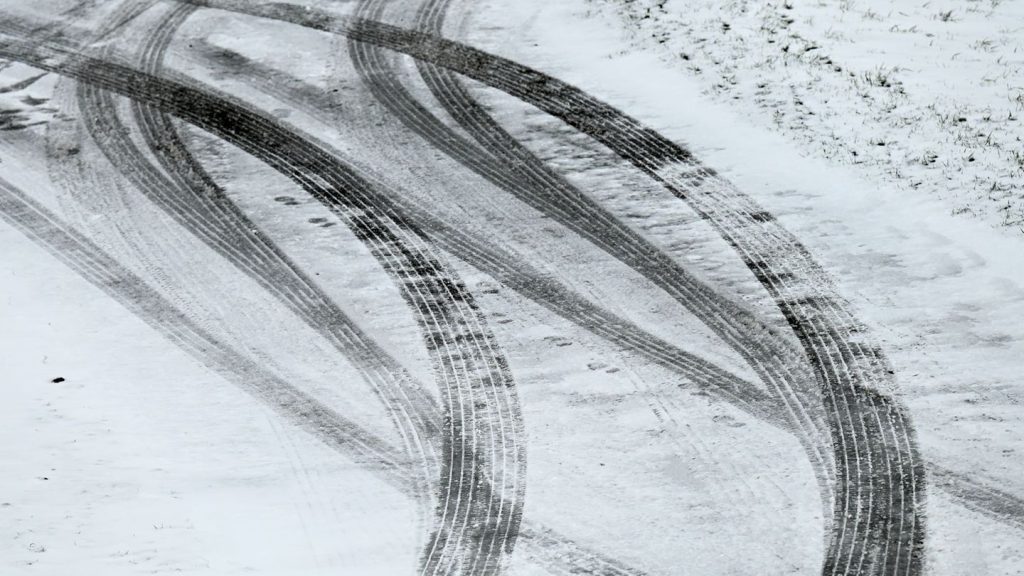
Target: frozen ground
x,y
257,380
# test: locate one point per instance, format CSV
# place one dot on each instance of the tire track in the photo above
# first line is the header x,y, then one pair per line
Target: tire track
x,y
483,445
875,445
514,272
952,484
195,202
993,502
519,172
777,364
406,403
874,442
498,157
542,544
347,438
979,496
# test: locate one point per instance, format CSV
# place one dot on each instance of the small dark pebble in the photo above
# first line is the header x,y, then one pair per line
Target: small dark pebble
x,y
57,380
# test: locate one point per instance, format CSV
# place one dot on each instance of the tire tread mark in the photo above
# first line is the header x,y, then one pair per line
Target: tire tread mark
x,y
484,444
197,203
502,160
850,373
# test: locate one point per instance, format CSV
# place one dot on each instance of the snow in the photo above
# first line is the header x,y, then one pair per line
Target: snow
x,y
937,88
143,461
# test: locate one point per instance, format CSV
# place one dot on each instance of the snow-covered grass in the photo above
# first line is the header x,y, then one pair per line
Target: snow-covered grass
x,y
927,94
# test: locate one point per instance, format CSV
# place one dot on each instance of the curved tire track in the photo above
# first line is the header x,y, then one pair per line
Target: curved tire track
x,y
202,208
542,545
347,438
514,272
483,445
498,157
981,502
880,508
960,486
992,502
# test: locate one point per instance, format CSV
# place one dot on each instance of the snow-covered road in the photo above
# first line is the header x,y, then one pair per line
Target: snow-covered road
x,y
445,287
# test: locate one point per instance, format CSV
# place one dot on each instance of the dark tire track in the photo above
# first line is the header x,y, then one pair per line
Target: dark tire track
x,y
203,209
498,157
514,272
959,487
775,362
193,200
548,292
982,500
347,438
880,509
550,549
483,445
